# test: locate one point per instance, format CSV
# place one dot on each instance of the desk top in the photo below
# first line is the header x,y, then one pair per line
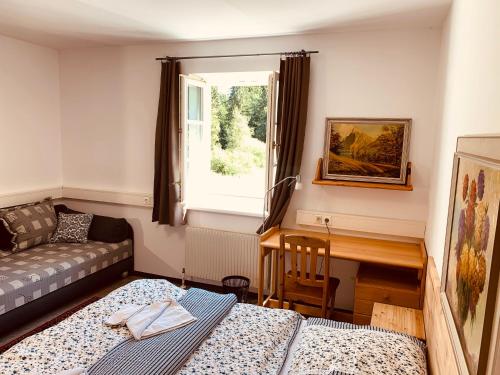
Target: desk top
x,y
360,249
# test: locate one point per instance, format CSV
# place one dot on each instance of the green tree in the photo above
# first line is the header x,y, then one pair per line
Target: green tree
x,y
239,124
256,111
219,110
229,130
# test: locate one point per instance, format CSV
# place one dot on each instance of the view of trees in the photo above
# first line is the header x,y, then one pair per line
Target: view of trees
x,y
239,120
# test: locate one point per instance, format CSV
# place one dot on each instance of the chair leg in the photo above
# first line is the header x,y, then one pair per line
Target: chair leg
x,y
281,281
324,310
332,306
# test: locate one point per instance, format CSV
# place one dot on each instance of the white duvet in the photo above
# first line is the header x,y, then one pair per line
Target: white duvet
x,y
250,340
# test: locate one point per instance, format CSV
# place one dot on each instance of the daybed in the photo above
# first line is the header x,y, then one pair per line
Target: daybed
x,y
38,279
249,339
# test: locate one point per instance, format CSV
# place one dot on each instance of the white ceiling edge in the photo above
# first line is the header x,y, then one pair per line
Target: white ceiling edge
x,y
47,29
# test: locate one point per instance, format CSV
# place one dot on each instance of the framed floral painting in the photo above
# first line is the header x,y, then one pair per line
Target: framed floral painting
x,y
472,258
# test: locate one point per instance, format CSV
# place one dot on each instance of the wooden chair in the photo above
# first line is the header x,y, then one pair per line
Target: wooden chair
x,y
305,284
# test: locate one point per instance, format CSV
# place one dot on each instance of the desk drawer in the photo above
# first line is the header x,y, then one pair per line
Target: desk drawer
x,y
388,296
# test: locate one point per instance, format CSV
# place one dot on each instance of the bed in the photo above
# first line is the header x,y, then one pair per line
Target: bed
x,y
248,340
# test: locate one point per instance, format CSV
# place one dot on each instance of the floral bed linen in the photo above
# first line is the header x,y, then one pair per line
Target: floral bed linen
x,y
250,340
334,348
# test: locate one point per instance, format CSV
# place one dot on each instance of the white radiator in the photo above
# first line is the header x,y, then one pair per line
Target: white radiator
x,y
212,254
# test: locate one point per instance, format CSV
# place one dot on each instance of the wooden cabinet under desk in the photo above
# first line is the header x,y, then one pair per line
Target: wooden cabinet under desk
x,y
389,285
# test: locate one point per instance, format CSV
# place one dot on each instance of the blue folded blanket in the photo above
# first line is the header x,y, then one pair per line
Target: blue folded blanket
x,y
165,354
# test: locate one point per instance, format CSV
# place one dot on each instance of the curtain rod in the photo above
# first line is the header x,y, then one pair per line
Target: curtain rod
x,y
302,52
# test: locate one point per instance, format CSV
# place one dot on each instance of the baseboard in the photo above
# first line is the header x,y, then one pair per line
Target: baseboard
x,y
195,284
13,199
104,196
341,315
108,196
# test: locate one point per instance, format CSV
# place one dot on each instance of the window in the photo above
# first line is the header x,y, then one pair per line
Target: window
x,y
228,149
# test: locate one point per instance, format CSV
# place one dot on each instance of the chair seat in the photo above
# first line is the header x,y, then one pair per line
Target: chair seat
x,y
308,294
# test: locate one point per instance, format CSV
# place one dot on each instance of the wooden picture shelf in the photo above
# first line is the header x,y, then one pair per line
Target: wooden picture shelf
x,y
318,180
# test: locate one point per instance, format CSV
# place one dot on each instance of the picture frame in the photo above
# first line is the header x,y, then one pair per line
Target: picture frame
x,y
471,263
367,149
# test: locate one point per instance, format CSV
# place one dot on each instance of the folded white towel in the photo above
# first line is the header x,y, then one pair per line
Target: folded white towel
x,y
172,317
146,321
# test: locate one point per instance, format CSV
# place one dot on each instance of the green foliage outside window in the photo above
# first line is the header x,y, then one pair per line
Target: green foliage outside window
x,y
239,121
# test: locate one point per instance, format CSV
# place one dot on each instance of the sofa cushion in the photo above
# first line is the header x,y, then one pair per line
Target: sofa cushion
x,y
103,228
28,275
108,229
72,228
30,225
5,234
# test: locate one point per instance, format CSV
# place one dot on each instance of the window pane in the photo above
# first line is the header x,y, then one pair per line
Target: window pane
x,y
195,102
193,148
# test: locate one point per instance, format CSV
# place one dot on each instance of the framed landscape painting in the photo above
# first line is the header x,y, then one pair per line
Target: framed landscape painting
x,y
370,150
471,264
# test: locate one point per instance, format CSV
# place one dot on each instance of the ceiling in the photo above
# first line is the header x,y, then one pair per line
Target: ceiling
x,y
80,23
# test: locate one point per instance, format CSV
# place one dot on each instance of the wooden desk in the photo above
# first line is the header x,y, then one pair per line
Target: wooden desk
x,y
359,249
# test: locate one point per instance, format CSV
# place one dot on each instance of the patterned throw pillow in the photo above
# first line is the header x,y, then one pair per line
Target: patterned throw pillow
x,y
72,228
30,225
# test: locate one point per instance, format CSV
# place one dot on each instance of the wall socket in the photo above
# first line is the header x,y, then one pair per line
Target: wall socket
x,y
148,200
321,219
314,218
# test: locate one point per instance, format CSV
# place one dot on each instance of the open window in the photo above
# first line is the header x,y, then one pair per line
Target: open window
x,y
195,136
228,131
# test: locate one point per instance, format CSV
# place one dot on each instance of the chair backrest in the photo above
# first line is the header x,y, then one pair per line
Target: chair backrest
x,y
307,249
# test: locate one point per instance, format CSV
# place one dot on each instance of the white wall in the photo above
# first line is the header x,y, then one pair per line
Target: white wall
x,y
109,103
30,132
470,99
469,104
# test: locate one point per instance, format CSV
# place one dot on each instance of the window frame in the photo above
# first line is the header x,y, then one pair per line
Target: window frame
x,y
184,123
271,142
271,136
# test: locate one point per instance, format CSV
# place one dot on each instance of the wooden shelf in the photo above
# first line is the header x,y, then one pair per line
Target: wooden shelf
x,y
318,180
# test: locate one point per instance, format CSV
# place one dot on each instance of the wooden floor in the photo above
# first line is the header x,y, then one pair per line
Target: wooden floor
x,y
44,318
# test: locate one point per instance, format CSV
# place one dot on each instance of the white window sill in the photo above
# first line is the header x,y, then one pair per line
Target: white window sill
x,y
228,205
225,212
